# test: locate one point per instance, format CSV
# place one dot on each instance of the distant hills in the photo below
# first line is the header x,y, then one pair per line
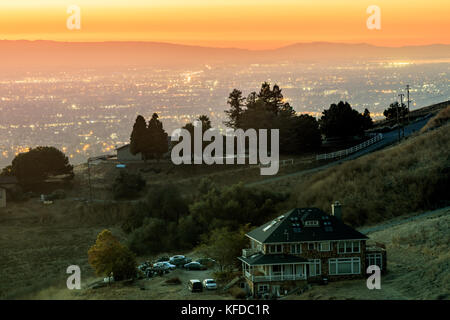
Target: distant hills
x,y
30,54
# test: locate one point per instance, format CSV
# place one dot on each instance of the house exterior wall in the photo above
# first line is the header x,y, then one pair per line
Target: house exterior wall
x,y
383,255
313,254
124,154
2,198
324,256
282,286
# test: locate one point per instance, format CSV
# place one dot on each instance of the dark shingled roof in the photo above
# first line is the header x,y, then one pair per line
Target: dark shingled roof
x,y
124,146
291,227
265,259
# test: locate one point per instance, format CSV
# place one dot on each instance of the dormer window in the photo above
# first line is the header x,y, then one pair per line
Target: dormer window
x,y
311,223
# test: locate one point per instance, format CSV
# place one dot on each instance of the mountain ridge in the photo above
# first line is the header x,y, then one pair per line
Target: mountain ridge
x,y
48,53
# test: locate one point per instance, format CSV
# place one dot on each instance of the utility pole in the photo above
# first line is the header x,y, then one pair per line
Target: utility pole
x,y
407,97
89,175
401,106
398,124
104,158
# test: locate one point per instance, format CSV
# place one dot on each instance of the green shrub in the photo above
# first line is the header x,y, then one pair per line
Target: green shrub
x,y
108,256
128,185
238,293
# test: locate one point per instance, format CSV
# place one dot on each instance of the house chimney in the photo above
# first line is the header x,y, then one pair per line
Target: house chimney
x,y
336,210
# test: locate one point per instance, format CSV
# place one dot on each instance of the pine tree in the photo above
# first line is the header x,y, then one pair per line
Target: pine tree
x,y
138,136
236,102
157,137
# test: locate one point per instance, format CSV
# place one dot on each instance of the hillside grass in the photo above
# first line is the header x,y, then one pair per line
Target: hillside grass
x,y
402,179
438,120
39,242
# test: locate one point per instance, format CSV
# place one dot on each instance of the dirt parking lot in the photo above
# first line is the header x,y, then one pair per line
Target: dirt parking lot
x,y
182,290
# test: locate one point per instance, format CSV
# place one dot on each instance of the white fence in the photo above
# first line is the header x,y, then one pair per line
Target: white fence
x,y
346,152
281,163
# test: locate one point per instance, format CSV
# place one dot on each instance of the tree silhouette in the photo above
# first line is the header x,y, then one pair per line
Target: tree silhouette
x,y
139,142
303,135
367,120
38,164
150,141
269,110
206,124
391,112
158,143
236,102
340,120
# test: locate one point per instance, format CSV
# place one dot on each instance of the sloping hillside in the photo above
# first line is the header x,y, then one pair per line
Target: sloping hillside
x,y
410,177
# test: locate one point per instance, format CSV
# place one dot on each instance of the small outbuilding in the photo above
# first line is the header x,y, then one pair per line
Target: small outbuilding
x,y
7,183
124,154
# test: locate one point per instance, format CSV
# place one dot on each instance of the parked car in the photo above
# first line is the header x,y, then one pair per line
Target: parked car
x,y
207,262
179,260
164,265
179,256
195,286
194,266
163,259
210,284
144,266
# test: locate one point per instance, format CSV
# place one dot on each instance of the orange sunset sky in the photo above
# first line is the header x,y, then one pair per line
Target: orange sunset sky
x,y
229,23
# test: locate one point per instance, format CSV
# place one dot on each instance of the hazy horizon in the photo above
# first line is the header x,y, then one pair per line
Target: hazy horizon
x,y
229,23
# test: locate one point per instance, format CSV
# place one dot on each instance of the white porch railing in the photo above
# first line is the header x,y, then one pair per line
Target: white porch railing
x,y
249,252
281,277
346,152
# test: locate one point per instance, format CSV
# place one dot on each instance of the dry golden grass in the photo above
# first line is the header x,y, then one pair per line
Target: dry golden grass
x,y
38,243
406,178
438,120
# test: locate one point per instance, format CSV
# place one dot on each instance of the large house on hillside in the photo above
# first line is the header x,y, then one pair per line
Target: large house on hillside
x,y
305,245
